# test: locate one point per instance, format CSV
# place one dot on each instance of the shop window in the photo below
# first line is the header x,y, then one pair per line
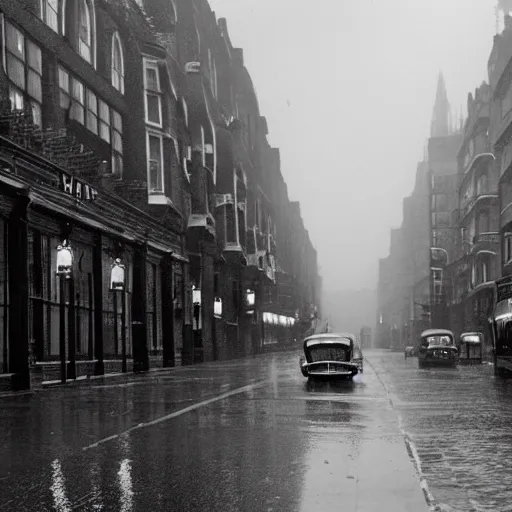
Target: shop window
x,y
24,69
117,63
155,163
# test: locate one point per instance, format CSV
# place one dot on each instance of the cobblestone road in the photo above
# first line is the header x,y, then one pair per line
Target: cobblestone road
x,y
460,421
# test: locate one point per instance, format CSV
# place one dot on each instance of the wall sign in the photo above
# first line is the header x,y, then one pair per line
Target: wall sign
x,y
76,188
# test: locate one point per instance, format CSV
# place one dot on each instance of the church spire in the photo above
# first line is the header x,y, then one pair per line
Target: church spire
x,y
441,116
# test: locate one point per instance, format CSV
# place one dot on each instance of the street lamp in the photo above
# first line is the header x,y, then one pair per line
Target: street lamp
x,y
118,284
65,274
217,307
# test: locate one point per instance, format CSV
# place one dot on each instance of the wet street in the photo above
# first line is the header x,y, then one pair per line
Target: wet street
x,y
253,436
459,423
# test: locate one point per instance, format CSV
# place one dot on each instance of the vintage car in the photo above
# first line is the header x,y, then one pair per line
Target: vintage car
x,y
331,355
437,348
470,348
409,351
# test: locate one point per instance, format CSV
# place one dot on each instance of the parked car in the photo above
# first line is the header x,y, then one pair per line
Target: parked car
x,y
409,351
331,355
470,348
437,348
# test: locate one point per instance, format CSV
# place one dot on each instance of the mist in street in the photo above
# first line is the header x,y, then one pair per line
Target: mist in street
x,y
348,88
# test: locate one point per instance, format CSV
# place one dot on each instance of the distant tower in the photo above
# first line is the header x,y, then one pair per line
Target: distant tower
x,y
441,115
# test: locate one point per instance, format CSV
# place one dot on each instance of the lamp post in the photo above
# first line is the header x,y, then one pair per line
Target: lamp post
x,y
65,274
118,284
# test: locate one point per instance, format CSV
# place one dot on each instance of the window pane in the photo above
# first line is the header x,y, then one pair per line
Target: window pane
x,y
117,163
64,100
85,51
63,79
85,35
116,79
92,102
15,41
16,71
34,59
105,131
104,112
36,113
77,112
117,121
117,141
78,91
153,103
16,97
155,154
152,78
92,122
50,15
34,86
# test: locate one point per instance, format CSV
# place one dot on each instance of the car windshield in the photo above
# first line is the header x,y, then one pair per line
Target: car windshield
x,y
325,353
439,340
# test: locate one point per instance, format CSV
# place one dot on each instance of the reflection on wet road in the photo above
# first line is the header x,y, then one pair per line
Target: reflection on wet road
x,y
238,436
460,421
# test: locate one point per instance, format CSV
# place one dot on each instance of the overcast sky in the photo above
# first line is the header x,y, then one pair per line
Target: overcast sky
x,y
348,87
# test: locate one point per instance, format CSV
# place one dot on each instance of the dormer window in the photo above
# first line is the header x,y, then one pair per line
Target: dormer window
x,y
117,63
85,30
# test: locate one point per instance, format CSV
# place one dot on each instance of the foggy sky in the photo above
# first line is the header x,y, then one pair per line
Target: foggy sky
x,y
348,87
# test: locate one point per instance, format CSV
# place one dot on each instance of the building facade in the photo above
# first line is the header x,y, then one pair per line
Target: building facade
x,y
145,218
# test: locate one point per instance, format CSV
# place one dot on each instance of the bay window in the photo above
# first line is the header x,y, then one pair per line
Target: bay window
x,y
49,13
23,61
153,95
155,163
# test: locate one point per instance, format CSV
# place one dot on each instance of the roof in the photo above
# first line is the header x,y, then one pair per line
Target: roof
x,y
434,332
331,335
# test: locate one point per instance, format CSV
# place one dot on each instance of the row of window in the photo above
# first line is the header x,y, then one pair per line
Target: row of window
x,y
53,13
87,109
24,67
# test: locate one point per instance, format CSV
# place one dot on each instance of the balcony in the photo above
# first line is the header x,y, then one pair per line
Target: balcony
x,y
203,222
484,198
234,252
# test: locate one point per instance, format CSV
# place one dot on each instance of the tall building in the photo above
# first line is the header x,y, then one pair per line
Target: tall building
x,y
475,263
412,281
443,147
145,218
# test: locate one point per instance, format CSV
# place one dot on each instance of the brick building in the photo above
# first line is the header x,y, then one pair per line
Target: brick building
x,y
137,189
